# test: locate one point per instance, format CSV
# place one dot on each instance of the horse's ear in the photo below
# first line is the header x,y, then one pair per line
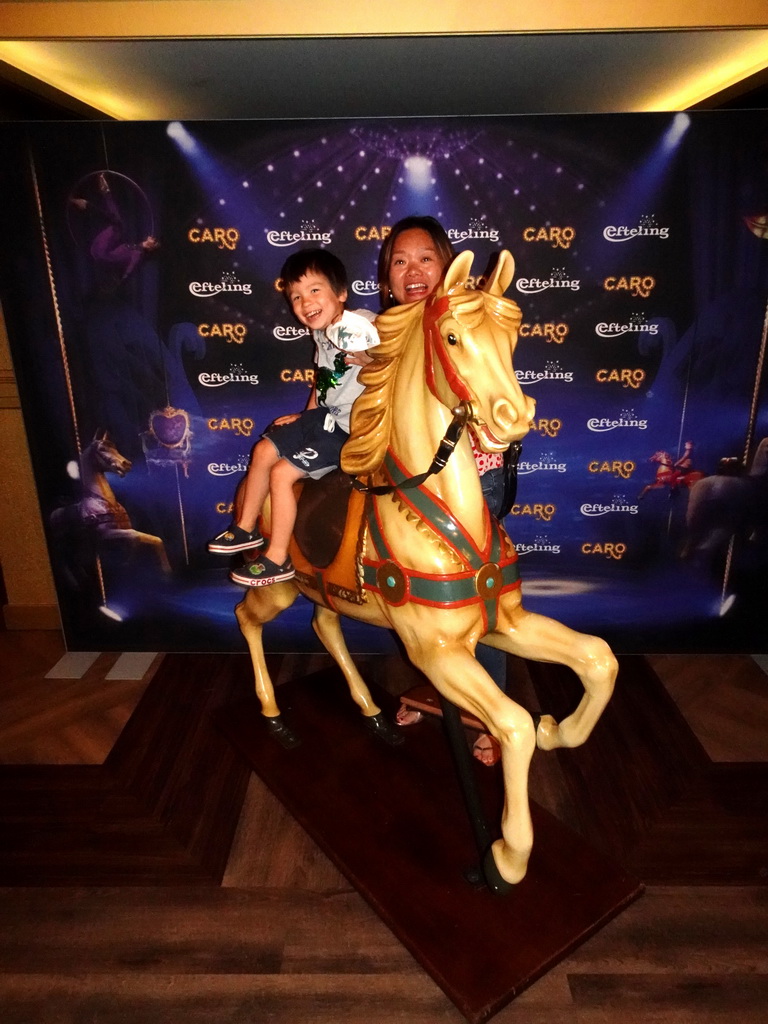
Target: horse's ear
x,y
501,276
458,271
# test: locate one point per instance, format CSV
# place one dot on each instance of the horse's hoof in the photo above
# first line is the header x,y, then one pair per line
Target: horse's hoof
x,y
279,730
383,728
493,879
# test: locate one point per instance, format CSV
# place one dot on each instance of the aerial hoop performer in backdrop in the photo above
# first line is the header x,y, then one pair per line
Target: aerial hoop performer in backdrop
x,y
109,246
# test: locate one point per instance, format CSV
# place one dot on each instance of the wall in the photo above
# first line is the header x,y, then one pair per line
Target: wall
x,y
23,554
24,563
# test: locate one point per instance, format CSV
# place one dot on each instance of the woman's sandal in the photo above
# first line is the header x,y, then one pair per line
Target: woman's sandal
x,y
407,716
486,749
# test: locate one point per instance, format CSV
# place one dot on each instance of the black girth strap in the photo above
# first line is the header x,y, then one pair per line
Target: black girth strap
x,y
444,451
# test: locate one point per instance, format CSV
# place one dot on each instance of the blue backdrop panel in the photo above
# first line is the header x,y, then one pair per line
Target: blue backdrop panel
x,y
139,287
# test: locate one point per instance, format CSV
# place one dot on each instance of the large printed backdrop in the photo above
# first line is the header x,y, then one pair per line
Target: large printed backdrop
x,y
140,263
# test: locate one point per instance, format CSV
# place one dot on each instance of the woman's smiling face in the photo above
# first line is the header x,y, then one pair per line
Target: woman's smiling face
x,y
415,268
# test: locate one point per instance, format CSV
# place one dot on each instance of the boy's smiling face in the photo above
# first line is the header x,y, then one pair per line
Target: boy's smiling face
x,y
314,302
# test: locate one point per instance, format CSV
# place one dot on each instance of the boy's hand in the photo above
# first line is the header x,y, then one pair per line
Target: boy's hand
x,y
352,332
282,421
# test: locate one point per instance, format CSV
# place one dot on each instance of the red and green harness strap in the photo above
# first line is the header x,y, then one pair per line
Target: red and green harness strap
x,y
487,575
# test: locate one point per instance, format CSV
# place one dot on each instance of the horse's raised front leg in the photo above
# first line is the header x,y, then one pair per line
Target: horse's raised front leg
x,y
135,540
539,638
326,625
260,605
157,546
459,677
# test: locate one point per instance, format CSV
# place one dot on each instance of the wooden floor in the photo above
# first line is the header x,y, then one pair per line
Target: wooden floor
x,y
186,893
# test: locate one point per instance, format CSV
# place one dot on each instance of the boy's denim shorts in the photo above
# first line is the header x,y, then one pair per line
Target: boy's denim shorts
x,y
307,445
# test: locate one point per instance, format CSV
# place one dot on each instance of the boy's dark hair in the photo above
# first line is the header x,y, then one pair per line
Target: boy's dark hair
x,y
318,260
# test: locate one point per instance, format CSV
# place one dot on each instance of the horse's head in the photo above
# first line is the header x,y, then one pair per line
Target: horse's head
x,y
470,338
664,458
102,456
462,342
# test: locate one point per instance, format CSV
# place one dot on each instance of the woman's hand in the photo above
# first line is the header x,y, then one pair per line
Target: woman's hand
x,y
282,421
358,359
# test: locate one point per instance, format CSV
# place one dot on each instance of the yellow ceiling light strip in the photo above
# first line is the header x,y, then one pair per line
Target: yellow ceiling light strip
x,y
136,19
748,61
44,61
37,60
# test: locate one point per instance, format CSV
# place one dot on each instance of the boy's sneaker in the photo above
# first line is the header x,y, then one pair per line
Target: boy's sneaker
x,y
234,539
263,572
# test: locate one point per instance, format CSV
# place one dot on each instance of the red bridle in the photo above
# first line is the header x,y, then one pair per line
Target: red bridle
x,y
435,345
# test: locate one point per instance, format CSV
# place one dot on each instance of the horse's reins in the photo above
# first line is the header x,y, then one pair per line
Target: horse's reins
x,y
461,414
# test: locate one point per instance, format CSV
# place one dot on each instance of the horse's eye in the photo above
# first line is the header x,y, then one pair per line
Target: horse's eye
x,y
452,339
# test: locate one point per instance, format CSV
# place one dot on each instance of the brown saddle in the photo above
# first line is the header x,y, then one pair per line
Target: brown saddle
x,y
328,535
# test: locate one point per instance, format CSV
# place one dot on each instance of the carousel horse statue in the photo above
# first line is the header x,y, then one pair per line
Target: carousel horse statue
x,y
420,553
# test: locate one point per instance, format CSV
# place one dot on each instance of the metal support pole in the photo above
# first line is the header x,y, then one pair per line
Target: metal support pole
x,y
463,762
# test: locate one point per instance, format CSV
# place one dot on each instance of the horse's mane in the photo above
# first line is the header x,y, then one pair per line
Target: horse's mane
x,y
371,420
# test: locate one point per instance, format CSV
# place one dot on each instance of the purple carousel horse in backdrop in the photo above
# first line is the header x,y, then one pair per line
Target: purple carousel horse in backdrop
x,y
98,523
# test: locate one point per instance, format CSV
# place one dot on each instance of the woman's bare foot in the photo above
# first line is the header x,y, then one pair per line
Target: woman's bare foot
x,y
486,749
407,716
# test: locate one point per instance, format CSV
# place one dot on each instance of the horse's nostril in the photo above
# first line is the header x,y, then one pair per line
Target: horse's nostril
x,y
504,413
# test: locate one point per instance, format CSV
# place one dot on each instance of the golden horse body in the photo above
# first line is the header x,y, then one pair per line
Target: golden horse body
x,y
431,562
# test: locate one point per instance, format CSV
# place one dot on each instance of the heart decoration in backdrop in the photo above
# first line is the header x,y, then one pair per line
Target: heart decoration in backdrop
x,y
170,426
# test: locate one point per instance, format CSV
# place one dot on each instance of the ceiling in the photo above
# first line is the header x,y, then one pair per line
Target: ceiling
x,y
170,59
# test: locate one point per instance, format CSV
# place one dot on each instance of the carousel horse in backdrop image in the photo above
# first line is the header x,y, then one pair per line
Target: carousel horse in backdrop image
x,y
98,523
420,553
673,473
731,503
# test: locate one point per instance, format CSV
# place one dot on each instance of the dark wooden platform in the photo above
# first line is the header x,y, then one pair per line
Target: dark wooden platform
x,y
392,820
163,807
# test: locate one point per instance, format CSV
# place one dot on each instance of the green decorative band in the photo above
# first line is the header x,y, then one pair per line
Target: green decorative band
x,y
483,582
398,585
439,518
377,537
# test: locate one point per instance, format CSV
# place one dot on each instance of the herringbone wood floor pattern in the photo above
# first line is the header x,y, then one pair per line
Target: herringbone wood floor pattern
x,y
268,930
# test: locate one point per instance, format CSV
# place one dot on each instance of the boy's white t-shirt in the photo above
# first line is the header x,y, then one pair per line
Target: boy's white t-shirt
x,y
336,383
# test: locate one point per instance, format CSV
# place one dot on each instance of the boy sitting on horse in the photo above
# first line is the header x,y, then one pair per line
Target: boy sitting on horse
x,y
308,443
